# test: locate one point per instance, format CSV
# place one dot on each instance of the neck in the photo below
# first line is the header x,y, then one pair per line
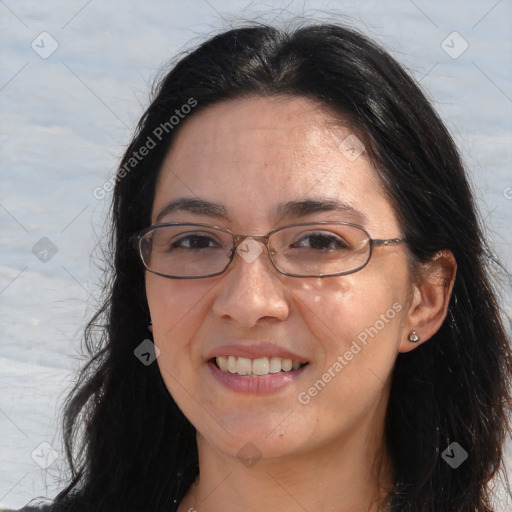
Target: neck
x,y
352,474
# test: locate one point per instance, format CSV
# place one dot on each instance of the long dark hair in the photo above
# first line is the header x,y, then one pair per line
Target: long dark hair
x,y
129,446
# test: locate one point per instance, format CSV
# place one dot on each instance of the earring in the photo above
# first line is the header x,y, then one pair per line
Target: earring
x,y
413,337
150,325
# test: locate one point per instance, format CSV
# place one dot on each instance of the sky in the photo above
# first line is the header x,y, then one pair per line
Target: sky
x,y
75,77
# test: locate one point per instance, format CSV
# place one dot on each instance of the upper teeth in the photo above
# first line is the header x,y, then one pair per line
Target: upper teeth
x,y
260,366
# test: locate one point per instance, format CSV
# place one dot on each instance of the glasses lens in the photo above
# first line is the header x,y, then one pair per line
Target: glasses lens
x,y
185,250
319,250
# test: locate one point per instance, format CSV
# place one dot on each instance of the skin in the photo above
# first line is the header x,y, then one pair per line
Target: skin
x,y
249,155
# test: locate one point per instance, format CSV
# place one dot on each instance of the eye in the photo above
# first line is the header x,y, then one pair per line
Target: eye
x,y
194,241
321,241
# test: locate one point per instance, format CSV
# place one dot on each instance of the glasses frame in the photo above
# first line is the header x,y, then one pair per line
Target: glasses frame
x,y
238,239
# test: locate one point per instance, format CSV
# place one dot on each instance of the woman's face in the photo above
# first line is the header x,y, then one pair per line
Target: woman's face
x,y
248,157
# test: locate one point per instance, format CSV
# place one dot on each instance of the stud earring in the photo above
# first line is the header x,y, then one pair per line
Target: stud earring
x,y
413,337
150,325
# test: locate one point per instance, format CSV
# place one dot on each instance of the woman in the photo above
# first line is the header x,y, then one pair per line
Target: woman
x,y
295,222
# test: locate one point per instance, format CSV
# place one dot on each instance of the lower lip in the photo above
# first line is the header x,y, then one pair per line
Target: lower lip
x,y
263,385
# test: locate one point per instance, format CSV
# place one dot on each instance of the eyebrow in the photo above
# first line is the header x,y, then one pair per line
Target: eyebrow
x,y
195,206
300,208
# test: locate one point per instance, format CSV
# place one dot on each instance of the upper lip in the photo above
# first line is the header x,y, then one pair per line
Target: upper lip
x,y
253,349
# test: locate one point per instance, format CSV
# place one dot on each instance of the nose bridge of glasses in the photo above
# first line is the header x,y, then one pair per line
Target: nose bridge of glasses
x,y
240,239
248,249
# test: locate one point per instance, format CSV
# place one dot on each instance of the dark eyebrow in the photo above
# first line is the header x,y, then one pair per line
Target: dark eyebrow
x,y
195,206
300,208
311,206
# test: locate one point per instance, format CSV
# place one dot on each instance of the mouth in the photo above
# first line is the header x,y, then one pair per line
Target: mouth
x,y
258,367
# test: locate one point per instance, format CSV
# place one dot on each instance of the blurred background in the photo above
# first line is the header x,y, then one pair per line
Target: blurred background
x,y
75,77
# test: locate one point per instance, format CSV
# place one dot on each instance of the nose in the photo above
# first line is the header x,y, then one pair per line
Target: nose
x,y
251,289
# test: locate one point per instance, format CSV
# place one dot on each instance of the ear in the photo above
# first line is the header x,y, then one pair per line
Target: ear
x,y
430,298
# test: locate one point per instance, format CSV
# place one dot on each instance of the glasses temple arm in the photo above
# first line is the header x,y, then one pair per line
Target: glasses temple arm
x,y
390,241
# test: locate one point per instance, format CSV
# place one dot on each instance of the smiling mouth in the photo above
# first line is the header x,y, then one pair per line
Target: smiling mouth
x,y
255,367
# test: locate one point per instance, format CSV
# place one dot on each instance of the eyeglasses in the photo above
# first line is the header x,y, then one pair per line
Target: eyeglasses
x,y
313,249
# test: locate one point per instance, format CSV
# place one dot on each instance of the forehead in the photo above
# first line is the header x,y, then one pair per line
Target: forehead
x,y
256,131
254,154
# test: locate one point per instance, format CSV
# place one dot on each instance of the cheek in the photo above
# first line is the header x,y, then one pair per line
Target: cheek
x,y
177,308
357,317
357,329
346,304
